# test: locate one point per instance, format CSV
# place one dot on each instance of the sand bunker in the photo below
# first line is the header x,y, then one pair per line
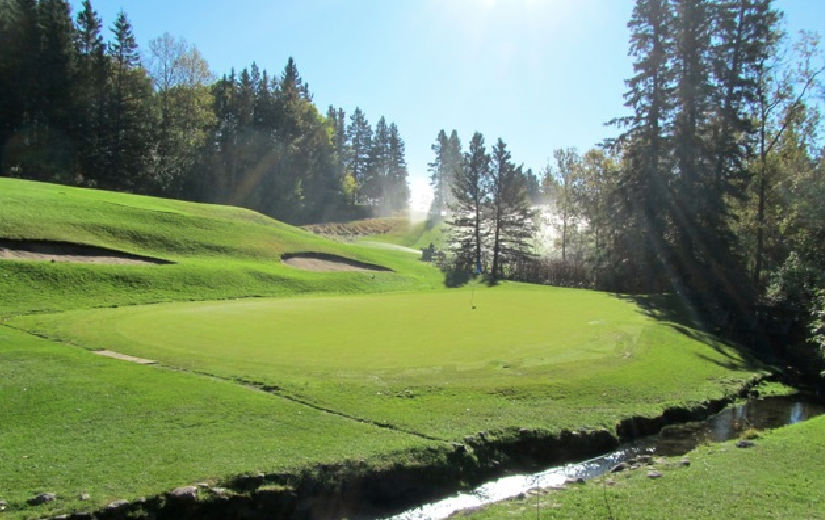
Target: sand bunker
x,y
327,262
16,249
124,357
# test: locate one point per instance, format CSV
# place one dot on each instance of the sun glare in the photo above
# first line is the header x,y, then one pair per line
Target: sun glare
x,y
421,195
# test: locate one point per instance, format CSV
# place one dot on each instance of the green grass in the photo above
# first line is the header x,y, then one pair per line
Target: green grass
x,y
399,230
220,252
415,235
389,347
75,422
781,477
527,356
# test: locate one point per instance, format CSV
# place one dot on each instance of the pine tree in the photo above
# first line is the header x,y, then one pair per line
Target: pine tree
x,y
129,113
398,191
454,160
337,119
470,188
92,77
20,37
359,135
511,219
448,161
644,194
691,61
438,177
376,184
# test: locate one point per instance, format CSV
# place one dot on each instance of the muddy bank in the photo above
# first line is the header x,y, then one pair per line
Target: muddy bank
x,y
56,251
361,490
325,262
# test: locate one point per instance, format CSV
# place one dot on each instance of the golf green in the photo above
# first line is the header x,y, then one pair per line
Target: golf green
x,y
443,363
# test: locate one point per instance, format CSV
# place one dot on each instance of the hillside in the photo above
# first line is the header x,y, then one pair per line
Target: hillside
x,y
216,252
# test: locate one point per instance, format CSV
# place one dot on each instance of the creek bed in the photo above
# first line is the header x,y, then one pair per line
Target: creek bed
x,y
672,440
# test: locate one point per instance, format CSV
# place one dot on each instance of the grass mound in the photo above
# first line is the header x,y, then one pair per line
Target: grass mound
x,y
218,252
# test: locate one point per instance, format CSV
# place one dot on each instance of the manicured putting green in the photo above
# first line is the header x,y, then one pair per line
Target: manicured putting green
x,y
428,362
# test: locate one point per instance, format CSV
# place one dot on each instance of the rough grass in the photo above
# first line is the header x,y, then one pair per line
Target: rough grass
x,y
220,252
74,422
781,477
527,356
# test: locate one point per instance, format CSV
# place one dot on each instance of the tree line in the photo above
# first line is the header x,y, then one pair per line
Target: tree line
x,y
79,110
712,192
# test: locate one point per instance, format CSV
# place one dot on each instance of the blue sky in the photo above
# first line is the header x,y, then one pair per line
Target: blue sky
x,y
541,74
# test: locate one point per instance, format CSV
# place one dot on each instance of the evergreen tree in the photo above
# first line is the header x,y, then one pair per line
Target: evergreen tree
x,y
129,113
643,197
438,176
37,84
19,54
448,161
398,193
359,135
92,77
377,182
511,219
454,160
470,188
337,119
693,99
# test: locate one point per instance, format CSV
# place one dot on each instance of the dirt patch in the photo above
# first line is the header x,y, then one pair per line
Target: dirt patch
x,y
326,262
124,357
54,251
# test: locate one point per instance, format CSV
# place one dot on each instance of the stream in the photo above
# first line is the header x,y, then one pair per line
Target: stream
x,y
672,440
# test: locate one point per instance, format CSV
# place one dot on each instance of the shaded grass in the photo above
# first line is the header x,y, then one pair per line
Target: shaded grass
x,y
781,477
74,422
527,356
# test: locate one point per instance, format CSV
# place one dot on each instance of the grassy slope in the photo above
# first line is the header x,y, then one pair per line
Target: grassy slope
x,y
399,231
781,477
416,235
220,252
76,422
528,356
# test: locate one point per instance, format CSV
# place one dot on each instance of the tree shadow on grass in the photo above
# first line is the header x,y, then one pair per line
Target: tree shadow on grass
x,y
707,327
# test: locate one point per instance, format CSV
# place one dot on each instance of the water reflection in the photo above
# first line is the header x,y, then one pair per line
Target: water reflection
x,y
673,440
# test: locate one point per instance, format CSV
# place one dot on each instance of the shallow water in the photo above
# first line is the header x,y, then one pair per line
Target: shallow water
x,y
676,439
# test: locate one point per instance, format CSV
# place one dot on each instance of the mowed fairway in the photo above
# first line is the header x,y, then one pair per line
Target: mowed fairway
x,y
527,356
